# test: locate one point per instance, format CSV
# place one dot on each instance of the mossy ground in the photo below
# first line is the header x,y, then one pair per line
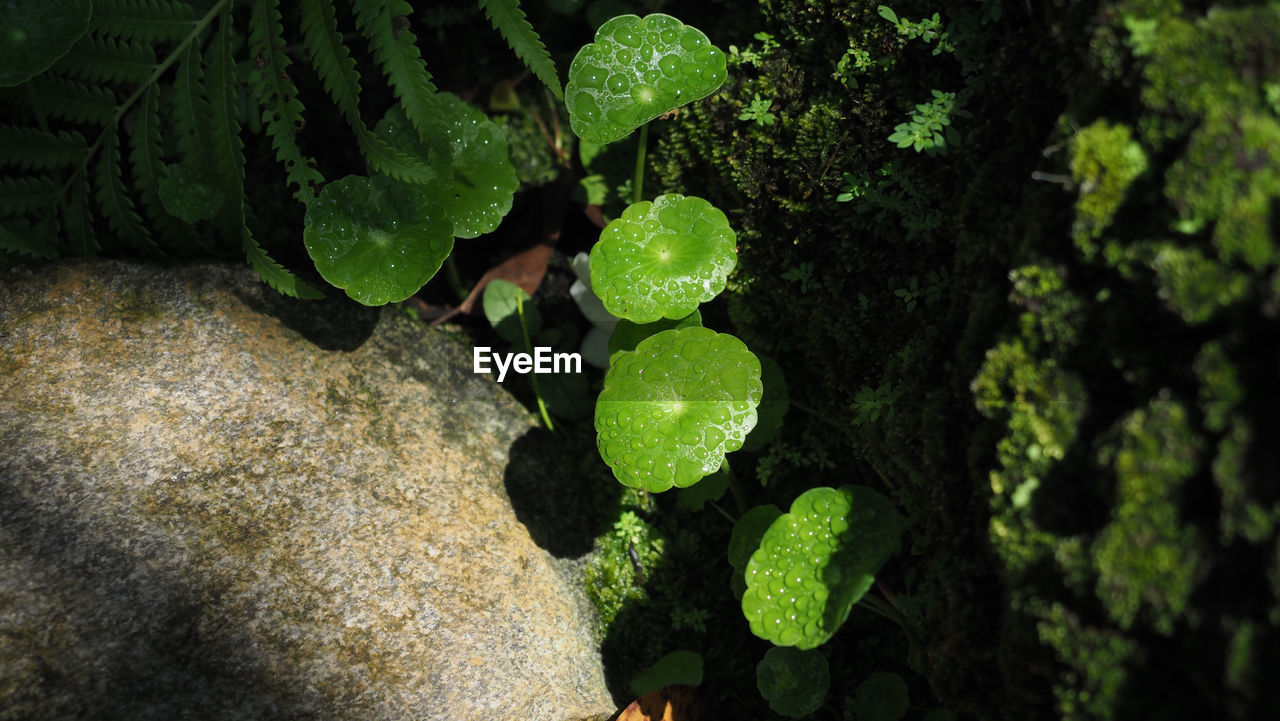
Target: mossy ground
x,y
1045,373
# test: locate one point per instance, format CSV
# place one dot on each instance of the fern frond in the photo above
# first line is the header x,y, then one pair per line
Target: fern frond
x,y
274,274
142,20
225,146
28,242
228,156
190,109
146,160
27,195
117,206
77,221
337,70
75,101
278,96
102,59
507,18
31,149
396,49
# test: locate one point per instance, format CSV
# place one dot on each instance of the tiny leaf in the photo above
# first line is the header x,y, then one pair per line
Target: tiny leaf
x,y
882,697
794,682
375,238
678,667
638,69
500,307
661,259
672,408
816,561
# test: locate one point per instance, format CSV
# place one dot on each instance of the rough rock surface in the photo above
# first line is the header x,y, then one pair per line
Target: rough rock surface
x,y
218,503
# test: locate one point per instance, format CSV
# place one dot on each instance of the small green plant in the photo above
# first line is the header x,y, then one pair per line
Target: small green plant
x,y
928,29
871,404
802,274
758,111
929,128
678,397
794,682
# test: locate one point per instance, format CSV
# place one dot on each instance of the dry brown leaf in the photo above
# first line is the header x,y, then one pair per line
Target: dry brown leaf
x,y
672,703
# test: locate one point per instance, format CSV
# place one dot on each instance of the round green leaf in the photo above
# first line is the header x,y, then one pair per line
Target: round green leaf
x,y
475,181
661,259
678,667
882,697
672,408
500,298
773,406
189,194
375,238
638,69
794,682
35,33
816,561
627,335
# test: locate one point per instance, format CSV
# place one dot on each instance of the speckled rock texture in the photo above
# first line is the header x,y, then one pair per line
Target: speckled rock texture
x,y
217,503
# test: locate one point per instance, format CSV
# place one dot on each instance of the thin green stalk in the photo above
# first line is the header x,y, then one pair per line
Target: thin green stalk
x,y
726,514
736,489
637,181
528,346
455,280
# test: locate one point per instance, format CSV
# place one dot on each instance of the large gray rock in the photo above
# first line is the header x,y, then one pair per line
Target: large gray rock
x,y
218,504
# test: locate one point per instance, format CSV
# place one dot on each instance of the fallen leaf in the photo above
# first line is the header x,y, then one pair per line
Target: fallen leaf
x,y
671,703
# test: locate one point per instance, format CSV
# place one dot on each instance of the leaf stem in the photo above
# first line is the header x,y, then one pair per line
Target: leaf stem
x,y
537,392
637,181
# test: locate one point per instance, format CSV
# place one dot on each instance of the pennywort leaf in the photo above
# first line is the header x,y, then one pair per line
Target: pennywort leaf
x,y
816,561
375,238
662,259
638,69
672,408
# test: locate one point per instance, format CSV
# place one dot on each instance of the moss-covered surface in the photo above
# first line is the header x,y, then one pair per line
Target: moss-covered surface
x,y
1053,345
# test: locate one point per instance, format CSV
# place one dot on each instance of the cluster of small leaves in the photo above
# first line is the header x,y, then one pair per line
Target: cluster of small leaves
x,y
929,128
927,29
758,111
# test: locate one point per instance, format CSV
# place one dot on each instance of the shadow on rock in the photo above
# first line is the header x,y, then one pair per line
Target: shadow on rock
x,y
99,635
333,323
552,496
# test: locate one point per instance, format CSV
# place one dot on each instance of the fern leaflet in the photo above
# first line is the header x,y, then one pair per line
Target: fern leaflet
x,y
338,72
190,109
148,165
77,222
74,101
228,156
143,20
396,49
508,19
116,204
278,96
31,149
22,196
102,59
30,242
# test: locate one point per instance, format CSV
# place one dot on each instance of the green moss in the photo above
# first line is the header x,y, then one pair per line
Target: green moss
x,y
1194,286
1095,660
1148,560
1105,161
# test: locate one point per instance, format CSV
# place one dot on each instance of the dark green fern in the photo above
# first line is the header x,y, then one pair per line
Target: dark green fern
x,y
131,142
